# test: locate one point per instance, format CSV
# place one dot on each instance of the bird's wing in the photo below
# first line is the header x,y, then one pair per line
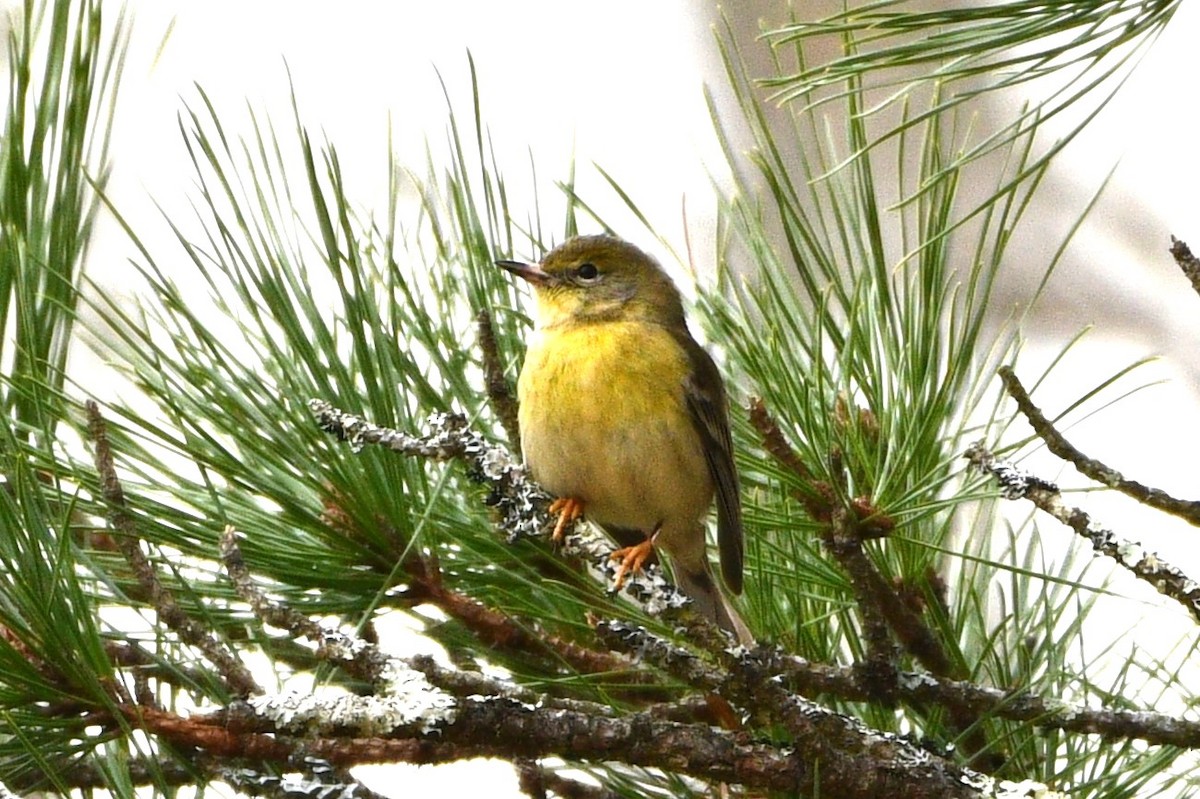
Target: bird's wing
x,y
706,403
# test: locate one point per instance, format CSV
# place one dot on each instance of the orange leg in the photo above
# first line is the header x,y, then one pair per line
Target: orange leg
x,y
569,509
633,558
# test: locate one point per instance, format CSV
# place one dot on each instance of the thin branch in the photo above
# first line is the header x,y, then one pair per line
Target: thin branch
x,y
870,591
130,654
1188,510
349,730
468,683
774,441
318,780
498,630
1155,728
190,631
355,656
538,782
499,390
323,782
844,529
85,775
854,759
520,503
809,679
1015,483
1189,263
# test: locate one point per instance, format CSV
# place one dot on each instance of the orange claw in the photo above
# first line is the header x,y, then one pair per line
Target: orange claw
x,y
632,559
569,509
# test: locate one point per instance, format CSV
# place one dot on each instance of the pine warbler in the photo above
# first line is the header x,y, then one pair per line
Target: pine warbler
x,y
624,415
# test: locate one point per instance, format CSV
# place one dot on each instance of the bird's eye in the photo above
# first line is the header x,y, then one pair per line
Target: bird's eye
x,y
587,272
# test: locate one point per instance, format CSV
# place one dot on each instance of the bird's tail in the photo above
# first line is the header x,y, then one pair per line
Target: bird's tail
x,y
710,601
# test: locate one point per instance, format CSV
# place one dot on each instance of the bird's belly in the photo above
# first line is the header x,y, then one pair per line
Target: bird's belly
x,y
601,424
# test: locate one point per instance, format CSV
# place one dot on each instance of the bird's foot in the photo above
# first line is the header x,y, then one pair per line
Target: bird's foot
x,y
633,559
569,509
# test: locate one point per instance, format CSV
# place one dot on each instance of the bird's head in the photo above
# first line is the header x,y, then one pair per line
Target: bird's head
x,y
591,279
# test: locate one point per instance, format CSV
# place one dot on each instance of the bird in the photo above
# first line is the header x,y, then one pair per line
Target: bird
x,y
624,418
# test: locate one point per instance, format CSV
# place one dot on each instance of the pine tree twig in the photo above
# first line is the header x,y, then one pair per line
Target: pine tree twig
x,y
844,527
858,521
1015,483
809,679
520,503
350,653
215,739
190,631
914,634
1189,263
499,390
1157,729
320,780
644,646
1188,510
351,730
466,683
499,630
819,497
774,441
358,730
84,775
870,590
538,782
855,760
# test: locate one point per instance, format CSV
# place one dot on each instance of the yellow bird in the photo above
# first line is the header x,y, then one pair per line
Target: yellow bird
x,y
624,415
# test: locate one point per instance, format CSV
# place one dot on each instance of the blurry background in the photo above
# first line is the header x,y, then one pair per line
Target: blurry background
x,y
620,84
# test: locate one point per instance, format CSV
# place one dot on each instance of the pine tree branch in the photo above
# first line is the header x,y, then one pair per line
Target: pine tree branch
x,y
190,631
1188,510
520,503
349,731
805,678
1015,483
498,630
499,391
318,780
844,526
854,759
1189,263
321,780
86,776
926,690
870,591
355,656
538,782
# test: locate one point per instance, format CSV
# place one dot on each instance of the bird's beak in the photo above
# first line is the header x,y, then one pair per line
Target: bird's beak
x,y
531,272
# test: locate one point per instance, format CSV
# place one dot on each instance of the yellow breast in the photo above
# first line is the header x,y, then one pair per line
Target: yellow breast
x,y
604,419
